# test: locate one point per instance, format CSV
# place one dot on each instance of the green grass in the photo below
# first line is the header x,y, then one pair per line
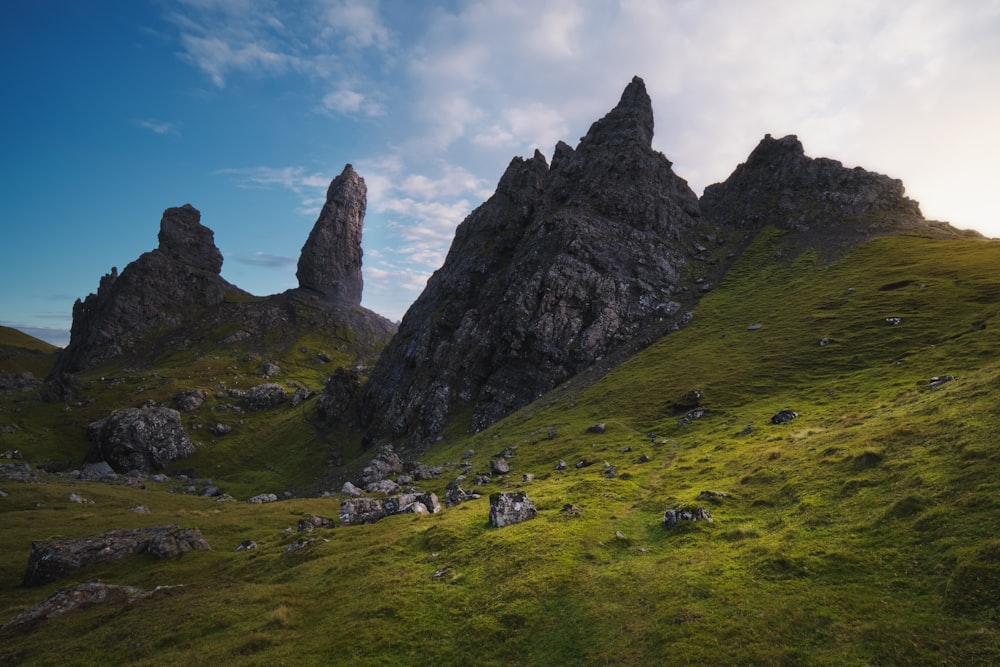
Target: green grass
x,y
862,532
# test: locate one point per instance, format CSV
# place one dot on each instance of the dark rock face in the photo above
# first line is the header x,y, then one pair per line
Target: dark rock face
x,y
330,263
53,560
155,292
510,508
337,404
820,202
144,439
563,264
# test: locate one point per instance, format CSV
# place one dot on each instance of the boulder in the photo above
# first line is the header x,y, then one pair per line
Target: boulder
x,y
360,510
189,401
262,498
56,559
508,508
370,510
784,416
311,521
499,467
457,496
145,439
383,465
672,517
265,396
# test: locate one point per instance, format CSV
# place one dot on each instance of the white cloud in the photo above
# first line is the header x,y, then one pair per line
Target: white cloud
x,y
159,127
347,101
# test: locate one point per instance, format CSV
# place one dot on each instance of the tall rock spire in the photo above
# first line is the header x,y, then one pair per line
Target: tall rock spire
x,y
330,262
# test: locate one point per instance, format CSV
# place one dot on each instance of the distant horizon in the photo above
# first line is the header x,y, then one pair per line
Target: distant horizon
x,y
247,109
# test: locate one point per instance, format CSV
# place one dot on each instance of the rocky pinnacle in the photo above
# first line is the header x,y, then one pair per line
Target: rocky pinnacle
x,y
330,263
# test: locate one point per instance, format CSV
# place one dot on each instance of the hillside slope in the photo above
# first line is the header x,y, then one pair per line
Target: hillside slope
x,y
860,532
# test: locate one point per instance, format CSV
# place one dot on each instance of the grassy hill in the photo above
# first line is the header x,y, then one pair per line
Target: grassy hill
x,y
861,532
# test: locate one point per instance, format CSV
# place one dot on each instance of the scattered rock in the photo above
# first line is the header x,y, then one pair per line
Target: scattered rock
x,y
508,508
713,496
672,517
265,397
97,471
350,491
145,439
369,510
311,521
571,510
383,465
262,498
246,545
561,465
56,559
139,509
299,396
755,327
457,496
784,416
383,486
893,321
596,428
499,466
270,369
77,498
823,342
175,543
221,429
939,380
189,401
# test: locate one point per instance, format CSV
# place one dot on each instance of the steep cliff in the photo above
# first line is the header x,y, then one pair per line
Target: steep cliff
x,y
562,265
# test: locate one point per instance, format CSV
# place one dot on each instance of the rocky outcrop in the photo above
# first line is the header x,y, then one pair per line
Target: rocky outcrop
x,y
369,510
154,293
56,559
76,597
821,203
174,297
330,263
144,439
562,265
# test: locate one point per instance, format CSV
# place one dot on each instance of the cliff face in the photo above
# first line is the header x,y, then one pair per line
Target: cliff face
x,y
156,291
563,264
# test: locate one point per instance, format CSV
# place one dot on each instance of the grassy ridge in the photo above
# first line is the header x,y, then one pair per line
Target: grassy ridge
x,y
862,532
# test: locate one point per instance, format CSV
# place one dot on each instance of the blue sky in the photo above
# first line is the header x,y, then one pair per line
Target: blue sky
x,y
114,110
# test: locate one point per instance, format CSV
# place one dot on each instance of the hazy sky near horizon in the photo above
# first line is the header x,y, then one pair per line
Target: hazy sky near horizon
x,y
117,109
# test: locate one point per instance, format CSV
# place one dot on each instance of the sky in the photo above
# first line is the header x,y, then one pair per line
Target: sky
x,y
113,110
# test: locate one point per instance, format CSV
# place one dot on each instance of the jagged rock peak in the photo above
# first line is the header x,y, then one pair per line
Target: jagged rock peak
x,y
565,264
780,185
330,262
632,119
183,238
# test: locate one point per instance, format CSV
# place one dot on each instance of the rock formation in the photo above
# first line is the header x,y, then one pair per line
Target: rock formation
x,y
330,263
165,295
155,292
563,264
820,202
143,439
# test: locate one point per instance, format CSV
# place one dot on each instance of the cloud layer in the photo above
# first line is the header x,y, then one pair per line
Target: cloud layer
x,y
456,89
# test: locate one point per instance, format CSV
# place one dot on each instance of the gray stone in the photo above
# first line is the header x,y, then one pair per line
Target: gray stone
x,y
265,396
508,508
784,416
309,522
145,439
499,467
189,401
263,498
672,517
